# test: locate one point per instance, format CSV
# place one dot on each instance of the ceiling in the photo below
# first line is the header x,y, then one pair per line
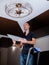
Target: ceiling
x,y
39,25
38,6
38,19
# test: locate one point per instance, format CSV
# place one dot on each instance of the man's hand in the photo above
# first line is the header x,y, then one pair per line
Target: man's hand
x,y
23,40
14,42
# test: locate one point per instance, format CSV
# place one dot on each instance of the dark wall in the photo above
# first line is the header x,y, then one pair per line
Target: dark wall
x,y
5,42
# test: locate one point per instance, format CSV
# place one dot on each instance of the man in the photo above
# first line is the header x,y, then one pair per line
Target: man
x,y
27,41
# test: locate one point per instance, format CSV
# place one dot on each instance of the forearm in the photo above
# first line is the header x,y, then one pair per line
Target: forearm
x,y
31,42
24,41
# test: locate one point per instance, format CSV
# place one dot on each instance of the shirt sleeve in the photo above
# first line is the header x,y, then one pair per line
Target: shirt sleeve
x,y
33,35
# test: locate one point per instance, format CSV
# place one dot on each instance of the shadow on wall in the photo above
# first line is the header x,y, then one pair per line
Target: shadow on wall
x,y
43,43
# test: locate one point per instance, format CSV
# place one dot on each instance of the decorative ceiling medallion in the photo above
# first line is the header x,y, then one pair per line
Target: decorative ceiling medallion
x,y
18,10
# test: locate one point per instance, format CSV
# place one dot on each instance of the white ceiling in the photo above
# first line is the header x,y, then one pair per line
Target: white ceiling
x,y
38,6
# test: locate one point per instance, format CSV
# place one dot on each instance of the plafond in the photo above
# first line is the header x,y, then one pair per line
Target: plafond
x,y
38,6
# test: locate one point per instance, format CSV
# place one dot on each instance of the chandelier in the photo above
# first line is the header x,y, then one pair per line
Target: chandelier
x,y
18,10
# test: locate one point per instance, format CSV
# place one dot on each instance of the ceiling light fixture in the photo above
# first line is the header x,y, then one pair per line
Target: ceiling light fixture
x,y
18,10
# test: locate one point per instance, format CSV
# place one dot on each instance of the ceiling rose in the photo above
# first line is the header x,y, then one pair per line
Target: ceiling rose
x,y
18,10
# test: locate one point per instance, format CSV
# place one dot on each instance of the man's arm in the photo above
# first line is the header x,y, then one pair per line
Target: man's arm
x,y
33,41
